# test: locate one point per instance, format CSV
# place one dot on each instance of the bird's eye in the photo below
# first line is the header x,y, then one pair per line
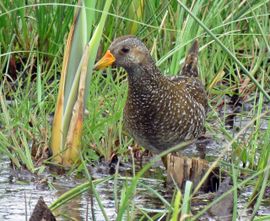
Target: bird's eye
x,y
125,50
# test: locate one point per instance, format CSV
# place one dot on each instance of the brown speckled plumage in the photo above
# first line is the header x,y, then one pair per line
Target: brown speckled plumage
x,y
160,112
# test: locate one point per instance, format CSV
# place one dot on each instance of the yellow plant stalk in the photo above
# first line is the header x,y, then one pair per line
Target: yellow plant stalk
x,y
217,79
57,138
68,119
73,141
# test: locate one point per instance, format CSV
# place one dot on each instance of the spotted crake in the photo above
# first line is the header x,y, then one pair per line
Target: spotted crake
x,y
160,112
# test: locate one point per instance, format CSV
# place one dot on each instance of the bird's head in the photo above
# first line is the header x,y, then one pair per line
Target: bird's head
x,y
127,52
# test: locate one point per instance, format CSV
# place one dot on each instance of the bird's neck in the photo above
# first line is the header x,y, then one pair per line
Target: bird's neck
x,y
144,79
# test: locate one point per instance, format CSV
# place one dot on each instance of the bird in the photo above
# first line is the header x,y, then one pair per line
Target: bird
x,y
160,112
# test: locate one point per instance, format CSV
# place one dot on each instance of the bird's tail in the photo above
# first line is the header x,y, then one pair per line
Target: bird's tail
x,y
190,67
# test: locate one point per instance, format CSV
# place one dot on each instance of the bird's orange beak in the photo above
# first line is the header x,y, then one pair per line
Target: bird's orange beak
x,y
105,61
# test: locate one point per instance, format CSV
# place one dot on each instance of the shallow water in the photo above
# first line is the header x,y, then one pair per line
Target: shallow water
x,y
18,196
17,199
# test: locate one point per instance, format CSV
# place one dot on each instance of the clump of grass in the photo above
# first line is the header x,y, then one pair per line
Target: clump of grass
x,y
104,124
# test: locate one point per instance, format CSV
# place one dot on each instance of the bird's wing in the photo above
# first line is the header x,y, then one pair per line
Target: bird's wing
x,y
194,88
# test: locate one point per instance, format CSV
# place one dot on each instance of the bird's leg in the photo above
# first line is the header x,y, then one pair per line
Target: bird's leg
x,y
144,154
201,145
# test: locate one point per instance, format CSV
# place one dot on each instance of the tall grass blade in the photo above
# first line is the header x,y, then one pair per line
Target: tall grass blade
x,y
176,206
185,213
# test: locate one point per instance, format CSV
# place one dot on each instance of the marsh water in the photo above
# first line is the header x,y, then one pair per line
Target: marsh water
x,y
20,190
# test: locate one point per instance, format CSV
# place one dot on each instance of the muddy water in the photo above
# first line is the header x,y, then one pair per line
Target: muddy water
x,y
19,192
17,198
